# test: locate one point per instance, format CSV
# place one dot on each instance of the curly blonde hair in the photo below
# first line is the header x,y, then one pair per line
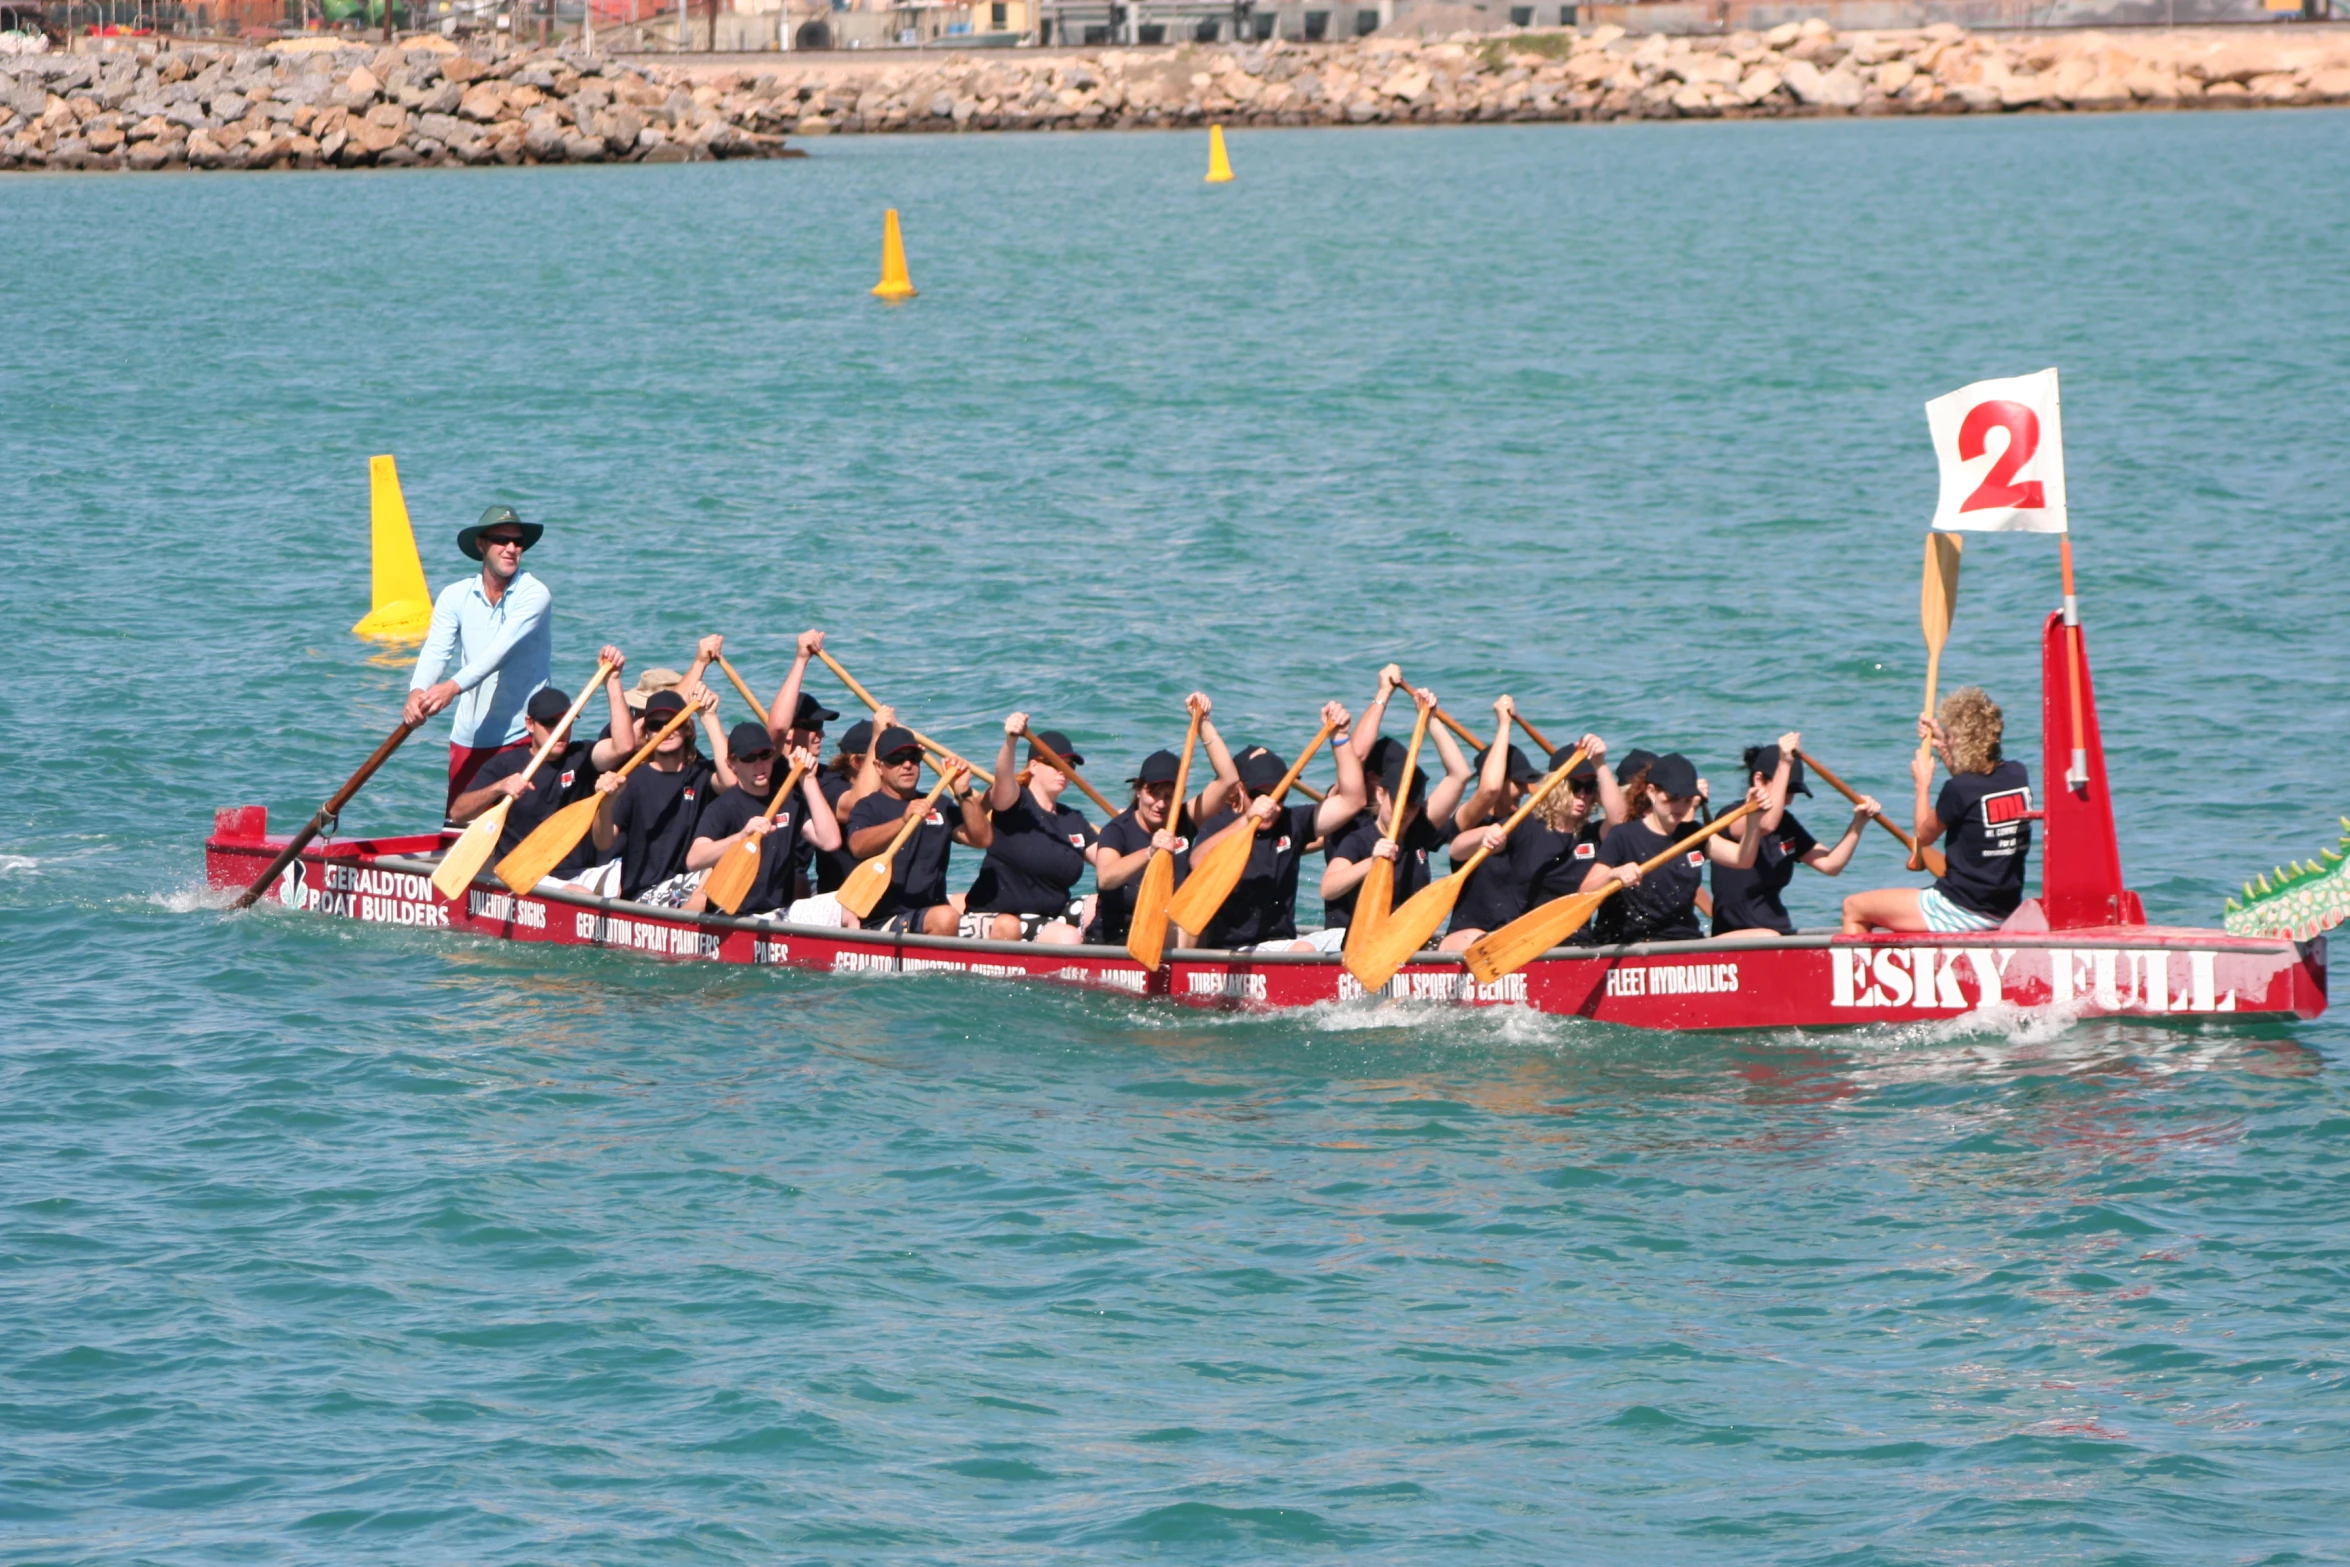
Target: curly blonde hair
x,y
1974,723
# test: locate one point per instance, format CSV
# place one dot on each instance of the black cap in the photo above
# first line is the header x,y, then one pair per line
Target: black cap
x,y
746,737
546,706
1585,770
856,737
469,539
1375,759
1158,767
1391,774
811,714
1260,770
663,704
1635,762
893,740
1059,742
1673,774
1764,759
1516,768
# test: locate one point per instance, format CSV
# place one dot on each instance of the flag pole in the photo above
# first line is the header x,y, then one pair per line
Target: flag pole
x,y
2076,776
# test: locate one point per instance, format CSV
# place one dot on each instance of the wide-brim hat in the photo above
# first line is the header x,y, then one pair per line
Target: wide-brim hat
x,y
469,539
651,681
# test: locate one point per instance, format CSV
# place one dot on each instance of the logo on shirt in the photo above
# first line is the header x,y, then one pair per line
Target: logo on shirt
x,y
2008,805
1420,855
689,792
1696,858
1586,851
1282,846
936,819
1182,844
1077,839
565,780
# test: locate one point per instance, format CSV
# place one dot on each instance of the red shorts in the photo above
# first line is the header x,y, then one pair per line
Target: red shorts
x,y
467,760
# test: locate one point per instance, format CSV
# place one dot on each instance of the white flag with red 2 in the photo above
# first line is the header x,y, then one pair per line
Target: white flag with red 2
x,y
2001,446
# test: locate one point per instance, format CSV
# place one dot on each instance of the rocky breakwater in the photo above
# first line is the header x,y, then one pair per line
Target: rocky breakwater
x,y
424,102
1605,74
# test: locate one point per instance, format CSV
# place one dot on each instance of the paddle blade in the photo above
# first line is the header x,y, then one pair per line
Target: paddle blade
x,y
1146,937
1404,932
1372,901
729,881
1212,879
549,842
1522,940
865,885
471,851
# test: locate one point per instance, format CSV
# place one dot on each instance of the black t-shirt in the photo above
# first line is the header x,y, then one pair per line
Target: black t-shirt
x,y
1420,839
1986,839
918,876
1664,906
655,814
1751,899
779,853
1263,903
1113,911
1033,861
565,778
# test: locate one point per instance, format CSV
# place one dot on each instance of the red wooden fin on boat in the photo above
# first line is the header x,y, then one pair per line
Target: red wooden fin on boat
x,y
2080,860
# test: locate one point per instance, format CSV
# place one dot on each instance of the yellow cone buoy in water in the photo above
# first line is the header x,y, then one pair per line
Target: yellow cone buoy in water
x,y
403,604
895,283
1219,166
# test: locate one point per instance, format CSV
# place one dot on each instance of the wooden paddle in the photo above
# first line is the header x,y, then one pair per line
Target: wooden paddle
x,y
325,815
1522,940
936,750
472,850
1055,760
1408,928
560,833
870,879
1937,602
1146,934
1479,741
1931,856
758,712
729,881
1375,896
1212,879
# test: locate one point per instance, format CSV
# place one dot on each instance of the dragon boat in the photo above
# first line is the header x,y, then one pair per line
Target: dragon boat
x,y
2081,948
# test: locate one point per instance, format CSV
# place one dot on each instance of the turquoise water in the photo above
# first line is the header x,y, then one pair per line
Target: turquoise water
x,y
323,1244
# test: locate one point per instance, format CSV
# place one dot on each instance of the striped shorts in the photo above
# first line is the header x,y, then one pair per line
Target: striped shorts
x,y
1947,918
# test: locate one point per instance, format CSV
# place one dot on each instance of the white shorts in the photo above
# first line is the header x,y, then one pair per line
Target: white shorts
x,y
1947,918
674,893
823,910
598,881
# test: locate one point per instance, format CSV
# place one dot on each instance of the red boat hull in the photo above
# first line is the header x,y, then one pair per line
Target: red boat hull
x,y
1804,981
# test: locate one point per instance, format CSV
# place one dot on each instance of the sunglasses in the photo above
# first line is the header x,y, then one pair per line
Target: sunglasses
x,y
754,758
901,758
502,540
1583,788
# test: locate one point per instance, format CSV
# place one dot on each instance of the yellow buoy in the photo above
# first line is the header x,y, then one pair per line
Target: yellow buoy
x,y
895,282
1219,166
403,604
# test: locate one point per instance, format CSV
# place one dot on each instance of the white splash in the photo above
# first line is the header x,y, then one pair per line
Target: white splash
x,y
12,863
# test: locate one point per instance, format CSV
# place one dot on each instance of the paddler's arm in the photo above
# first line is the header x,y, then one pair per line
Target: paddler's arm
x,y
1341,877
475,801
1775,812
703,853
615,747
606,829
428,693
1004,793
786,705
1613,808
977,827
1112,871
1218,794
706,653
1259,810
1830,861
1366,732
868,776
1740,855
1347,797
1494,776
1925,823
707,700
1446,796
822,827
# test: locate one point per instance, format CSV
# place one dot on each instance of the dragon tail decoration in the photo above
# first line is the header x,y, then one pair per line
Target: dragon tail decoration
x,y
2301,900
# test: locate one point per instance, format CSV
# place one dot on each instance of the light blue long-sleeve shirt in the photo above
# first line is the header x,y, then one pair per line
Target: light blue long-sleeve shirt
x,y
503,652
